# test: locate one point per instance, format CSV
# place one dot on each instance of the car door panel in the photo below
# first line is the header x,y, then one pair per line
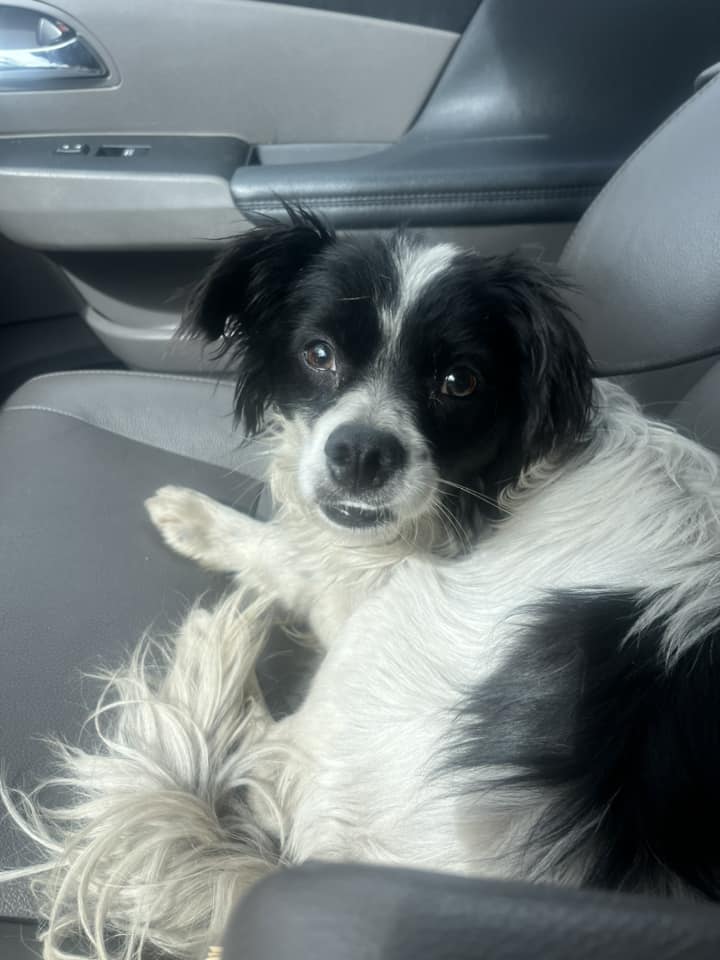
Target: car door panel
x,y
533,113
199,85
263,72
499,140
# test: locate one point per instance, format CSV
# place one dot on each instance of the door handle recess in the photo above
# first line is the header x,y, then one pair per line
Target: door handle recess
x,y
37,49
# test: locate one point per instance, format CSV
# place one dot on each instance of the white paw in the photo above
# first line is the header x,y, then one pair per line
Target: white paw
x,y
184,519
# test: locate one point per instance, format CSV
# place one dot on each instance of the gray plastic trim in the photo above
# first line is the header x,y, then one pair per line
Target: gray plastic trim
x,y
273,154
426,13
126,153
152,347
171,193
266,72
60,84
81,210
32,286
143,337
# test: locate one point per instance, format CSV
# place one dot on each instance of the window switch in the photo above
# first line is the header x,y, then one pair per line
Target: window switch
x,y
72,149
125,150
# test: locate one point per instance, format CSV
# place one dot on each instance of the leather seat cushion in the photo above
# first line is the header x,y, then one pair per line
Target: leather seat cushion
x,y
84,573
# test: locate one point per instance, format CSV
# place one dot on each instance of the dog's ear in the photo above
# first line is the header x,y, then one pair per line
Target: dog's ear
x,y
241,302
556,380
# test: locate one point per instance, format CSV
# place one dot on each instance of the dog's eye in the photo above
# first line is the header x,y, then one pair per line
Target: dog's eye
x,y
460,382
320,356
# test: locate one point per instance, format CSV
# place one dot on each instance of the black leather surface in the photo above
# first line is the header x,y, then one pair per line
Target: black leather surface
x,y
434,181
363,913
646,254
601,74
426,13
536,108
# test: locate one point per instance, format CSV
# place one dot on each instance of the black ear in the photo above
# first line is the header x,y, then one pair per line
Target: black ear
x,y
241,302
556,383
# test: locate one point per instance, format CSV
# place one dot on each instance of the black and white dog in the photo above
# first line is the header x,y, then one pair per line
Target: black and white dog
x,y
515,574
409,388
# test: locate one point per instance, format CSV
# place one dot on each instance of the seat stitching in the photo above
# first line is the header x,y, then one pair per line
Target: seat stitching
x,y
45,409
382,199
41,408
128,436
63,413
225,382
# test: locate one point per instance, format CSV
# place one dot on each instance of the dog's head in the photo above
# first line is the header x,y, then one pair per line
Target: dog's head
x,y
414,371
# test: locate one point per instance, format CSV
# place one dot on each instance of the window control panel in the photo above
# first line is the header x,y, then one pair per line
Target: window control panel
x,y
124,150
72,149
139,154
127,151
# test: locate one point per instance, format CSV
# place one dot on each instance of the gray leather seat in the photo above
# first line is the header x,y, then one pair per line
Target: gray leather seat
x,y
84,573
645,255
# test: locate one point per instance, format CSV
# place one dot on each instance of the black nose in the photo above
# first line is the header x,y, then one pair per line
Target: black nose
x,y
361,458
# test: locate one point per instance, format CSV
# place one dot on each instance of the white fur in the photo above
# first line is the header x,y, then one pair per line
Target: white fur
x,y
409,492
160,839
354,774
639,509
416,267
313,568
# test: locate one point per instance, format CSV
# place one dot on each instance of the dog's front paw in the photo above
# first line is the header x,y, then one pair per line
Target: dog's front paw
x,y
184,519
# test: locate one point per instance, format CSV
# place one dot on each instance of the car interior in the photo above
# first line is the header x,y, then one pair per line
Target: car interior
x,y
134,140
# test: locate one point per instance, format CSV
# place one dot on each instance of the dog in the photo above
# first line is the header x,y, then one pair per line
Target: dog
x,y
561,674
406,387
514,575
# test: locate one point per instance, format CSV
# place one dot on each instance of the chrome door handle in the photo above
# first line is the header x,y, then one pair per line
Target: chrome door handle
x,y
60,54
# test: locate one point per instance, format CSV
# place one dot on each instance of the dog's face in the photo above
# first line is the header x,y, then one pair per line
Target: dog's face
x,y
416,372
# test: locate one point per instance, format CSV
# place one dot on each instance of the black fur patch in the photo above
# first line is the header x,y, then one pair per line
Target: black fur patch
x,y
630,747
242,304
505,317
280,287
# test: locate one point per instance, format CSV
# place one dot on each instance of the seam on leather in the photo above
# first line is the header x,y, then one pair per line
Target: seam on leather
x,y
379,199
131,373
38,407
41,408
582,223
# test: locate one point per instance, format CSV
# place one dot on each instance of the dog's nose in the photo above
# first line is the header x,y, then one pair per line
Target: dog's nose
x,y
362,458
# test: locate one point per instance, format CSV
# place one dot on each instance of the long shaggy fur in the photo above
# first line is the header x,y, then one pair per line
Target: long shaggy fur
x,y
195,794
638,510
158,840
539,705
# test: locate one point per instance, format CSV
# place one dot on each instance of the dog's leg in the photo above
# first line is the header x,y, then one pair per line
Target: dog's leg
x,y
198,527
220,538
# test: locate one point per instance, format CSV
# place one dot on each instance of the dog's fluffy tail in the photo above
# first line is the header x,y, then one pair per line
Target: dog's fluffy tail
x,y
157,839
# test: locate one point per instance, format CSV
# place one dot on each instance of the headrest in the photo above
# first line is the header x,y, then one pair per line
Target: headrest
x,y
646,254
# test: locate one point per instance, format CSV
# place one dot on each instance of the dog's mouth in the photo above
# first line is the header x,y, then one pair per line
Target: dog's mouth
x,y
348,515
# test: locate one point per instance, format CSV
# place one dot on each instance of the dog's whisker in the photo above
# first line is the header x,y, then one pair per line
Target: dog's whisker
x,y
455,532
475,494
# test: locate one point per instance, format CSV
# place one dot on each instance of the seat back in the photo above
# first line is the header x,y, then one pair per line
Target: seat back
x,y
646,255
